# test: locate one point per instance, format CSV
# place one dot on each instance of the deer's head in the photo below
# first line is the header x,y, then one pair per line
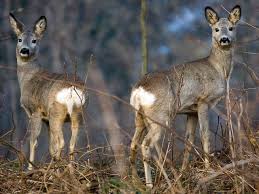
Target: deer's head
x,y
28,39
223,29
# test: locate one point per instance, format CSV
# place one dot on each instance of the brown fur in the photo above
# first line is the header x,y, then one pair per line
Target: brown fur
x,y
189,88
39,91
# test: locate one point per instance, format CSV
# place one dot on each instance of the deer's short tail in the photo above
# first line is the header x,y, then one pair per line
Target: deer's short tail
x,y
71,97
141,97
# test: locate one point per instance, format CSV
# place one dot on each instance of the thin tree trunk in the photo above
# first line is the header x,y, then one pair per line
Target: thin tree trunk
x,y
144,49
15,135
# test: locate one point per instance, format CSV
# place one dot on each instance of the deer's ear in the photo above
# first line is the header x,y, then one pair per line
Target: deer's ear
x,y
16,25
235,14
211,15
40,26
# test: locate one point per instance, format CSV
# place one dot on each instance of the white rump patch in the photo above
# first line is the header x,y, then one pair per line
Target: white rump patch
x,y
141,97
71,97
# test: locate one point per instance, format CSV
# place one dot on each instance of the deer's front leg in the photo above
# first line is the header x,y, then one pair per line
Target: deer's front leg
x,y
35,123
203,110
191,124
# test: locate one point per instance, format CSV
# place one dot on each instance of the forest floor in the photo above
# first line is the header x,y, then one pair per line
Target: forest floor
x,y
97,176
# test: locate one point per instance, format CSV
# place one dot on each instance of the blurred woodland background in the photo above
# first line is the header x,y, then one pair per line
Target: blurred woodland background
x,y
101,39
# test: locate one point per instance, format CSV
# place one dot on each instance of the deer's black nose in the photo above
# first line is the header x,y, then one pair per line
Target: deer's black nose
x,y
25,51
224,40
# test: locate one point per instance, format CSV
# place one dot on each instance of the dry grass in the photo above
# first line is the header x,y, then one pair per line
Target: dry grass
x,y
63,177
97,176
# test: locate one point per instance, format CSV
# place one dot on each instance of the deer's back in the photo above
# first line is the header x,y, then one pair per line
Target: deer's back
x,y
182,86
40,92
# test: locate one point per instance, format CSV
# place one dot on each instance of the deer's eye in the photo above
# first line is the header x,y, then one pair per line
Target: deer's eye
x,y
33,41
216,29
19,40
230,28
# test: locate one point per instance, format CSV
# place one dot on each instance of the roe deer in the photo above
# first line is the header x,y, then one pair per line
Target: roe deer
x,y
45,96
190,89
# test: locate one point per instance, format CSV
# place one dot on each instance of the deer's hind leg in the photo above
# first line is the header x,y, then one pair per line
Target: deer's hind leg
x,y
155,132
57,116
136,141
35,124
75,121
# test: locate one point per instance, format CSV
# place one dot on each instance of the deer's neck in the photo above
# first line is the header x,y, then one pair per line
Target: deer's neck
x,y
26,70
221,60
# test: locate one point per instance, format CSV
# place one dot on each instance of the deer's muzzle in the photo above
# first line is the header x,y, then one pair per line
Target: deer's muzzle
x,y
24,52
224,41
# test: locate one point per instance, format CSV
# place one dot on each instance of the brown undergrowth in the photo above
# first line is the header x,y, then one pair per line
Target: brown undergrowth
x,y
95,175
